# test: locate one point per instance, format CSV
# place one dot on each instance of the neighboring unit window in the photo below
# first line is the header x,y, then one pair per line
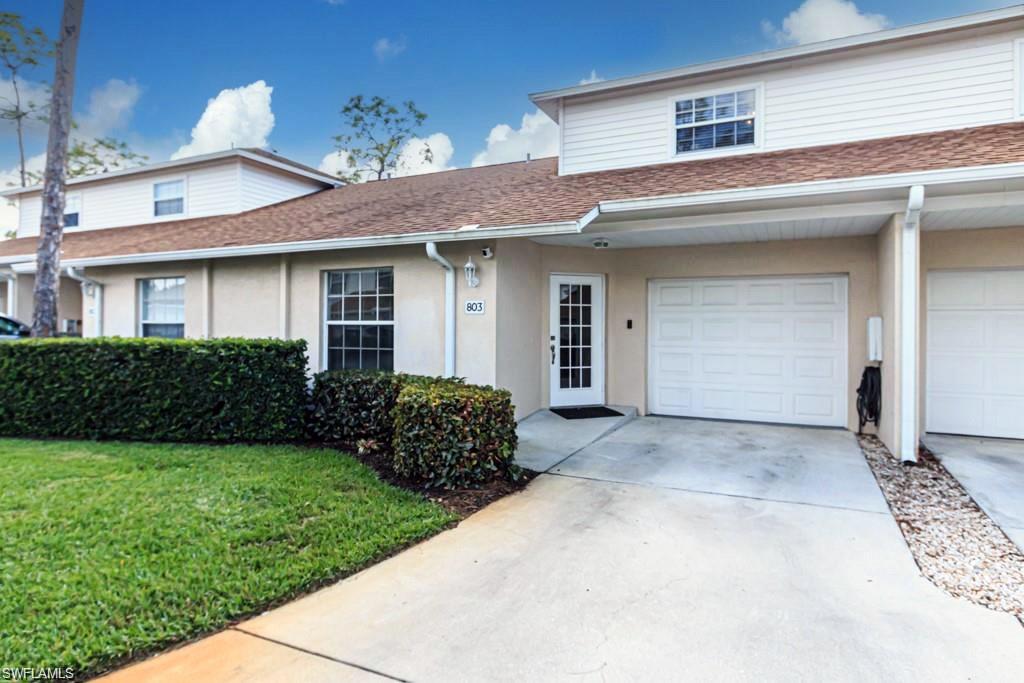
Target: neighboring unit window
x,y
169,198
359,319
162,307
715,121
72,210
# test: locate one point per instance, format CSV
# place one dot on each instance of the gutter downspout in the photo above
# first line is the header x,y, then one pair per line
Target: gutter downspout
x,y
90,287
9,278
910,279
449,307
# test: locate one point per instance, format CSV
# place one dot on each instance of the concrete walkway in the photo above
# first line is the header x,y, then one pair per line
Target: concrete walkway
x,y
766,568
992,471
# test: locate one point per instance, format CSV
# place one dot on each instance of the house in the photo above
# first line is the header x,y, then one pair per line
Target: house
x,y
712,241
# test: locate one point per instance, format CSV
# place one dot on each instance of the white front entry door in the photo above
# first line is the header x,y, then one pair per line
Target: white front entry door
x,y
576,340
976,353
767,349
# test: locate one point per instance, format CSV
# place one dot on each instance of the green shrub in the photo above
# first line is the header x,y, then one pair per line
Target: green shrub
x,y
454,436
353,405
154,389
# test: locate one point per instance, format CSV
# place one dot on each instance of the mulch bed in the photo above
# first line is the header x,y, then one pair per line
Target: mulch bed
x,y
956,545
462,502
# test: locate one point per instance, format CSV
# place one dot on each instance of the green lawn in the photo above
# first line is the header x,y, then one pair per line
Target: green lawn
x,y
111,549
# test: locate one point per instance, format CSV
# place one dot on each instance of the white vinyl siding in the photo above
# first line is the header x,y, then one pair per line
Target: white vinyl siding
x,y
758,349
957,83
262,186
975,360
212,189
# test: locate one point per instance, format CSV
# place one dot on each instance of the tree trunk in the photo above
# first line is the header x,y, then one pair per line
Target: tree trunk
x,y
51,227
20,127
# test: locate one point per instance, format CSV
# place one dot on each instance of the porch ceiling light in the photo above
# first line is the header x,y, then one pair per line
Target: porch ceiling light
x,y
471,279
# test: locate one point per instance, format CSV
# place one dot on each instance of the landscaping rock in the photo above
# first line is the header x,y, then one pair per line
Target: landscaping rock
x,y
957,546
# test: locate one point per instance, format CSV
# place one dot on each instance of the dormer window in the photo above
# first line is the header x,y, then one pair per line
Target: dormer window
x,y
169,198
72,210
715,121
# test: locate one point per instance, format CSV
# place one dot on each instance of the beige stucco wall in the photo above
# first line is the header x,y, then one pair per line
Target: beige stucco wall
x,y
244,299
69,300
888,243
520,331
627,272
962,250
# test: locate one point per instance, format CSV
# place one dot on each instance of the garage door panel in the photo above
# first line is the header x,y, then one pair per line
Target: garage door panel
x,y
956,330
975,363
1006,288
674,328
956,372
769,349
1007,332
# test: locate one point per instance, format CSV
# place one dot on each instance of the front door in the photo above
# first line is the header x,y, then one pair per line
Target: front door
x,y
577,340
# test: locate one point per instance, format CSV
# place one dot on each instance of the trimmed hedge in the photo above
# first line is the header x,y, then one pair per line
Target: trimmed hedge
x,y
454,436
352,405
248,390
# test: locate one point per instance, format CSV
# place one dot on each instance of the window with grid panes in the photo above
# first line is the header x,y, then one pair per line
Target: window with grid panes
x,y
359,327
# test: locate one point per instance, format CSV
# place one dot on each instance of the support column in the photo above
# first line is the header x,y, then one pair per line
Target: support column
x,y
910,297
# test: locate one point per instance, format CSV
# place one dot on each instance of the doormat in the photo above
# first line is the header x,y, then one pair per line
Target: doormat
x,y
584,413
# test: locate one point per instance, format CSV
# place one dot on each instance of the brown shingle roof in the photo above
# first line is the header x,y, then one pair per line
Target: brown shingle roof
x,y
528,193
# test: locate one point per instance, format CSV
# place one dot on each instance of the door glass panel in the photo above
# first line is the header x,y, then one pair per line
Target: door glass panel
x,y
574,322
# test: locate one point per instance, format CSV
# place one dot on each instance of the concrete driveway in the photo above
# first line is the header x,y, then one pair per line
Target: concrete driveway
x,y
992,471
669,549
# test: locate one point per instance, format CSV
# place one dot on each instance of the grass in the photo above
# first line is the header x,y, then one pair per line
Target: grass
x,y
115,549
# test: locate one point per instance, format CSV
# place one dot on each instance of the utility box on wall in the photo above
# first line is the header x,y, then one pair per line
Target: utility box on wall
x,y
875,339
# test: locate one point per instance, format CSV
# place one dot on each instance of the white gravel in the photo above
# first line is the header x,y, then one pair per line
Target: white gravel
x,y
957,546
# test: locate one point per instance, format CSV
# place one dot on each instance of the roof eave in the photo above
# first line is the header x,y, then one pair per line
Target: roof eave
x,y
240,153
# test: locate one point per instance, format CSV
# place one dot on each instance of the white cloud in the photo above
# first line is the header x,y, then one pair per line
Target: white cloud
x,y
536,135
110,107
32,92
387,48
236,117
410,159
592,78
817,20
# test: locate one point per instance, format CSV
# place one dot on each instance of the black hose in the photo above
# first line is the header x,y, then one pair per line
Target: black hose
x,y
869,397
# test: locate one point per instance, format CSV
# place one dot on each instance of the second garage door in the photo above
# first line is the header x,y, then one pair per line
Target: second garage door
x,y
760,349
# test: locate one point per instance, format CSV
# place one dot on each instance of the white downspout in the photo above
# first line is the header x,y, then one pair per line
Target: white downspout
x,y
910,278
90,287
449,308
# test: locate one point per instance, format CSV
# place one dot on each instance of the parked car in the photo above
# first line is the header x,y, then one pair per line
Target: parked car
x,y
12,330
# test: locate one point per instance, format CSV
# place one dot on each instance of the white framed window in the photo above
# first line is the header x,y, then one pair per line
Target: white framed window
x,y
714,121
162,307
359,319
72,210
169,198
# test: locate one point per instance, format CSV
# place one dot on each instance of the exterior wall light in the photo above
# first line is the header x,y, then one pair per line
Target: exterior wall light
x,y
471,279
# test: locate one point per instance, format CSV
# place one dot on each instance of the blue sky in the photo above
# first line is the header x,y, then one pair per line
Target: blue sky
x,y
151,67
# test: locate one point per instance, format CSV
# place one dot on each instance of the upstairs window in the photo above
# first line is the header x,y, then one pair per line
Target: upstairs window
x,y
715,121
72,210
359,319
169,198
162,307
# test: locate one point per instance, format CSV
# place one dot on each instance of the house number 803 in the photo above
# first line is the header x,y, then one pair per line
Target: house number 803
x,y
474,307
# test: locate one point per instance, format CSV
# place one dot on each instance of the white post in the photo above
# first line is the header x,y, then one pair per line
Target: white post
x,y
910,275
449,307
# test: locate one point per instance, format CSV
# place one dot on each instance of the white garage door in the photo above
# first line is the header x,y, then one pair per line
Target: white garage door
x,y
975,363
765,349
